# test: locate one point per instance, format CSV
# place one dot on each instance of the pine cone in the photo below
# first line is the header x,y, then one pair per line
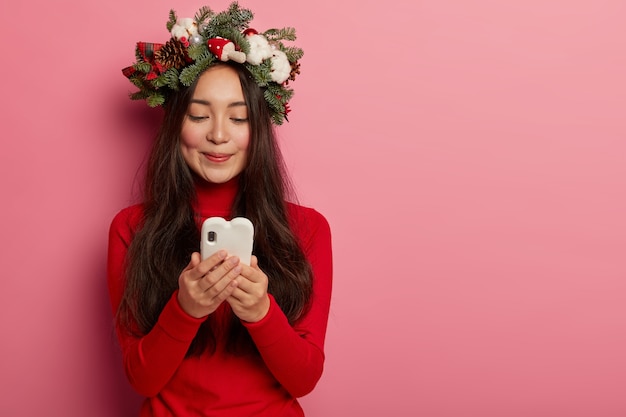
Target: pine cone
x,y
172,55
295,70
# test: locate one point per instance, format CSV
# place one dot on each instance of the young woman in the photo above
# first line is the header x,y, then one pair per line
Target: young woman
x,y
218,337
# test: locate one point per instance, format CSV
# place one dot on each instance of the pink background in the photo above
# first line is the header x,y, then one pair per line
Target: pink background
x,y
470,157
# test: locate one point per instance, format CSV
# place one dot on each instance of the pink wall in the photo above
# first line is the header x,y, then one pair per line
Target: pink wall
x,y
470,156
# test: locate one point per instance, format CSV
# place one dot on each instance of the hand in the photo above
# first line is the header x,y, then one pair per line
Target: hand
x,y
204,285
249,300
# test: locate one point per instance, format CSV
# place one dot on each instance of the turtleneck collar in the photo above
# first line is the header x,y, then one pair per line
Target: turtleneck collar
x,y
215,199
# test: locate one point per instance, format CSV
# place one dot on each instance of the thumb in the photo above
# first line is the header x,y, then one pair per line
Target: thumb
x,y
193,261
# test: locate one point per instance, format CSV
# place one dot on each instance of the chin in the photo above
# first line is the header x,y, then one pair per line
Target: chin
x,y
217,179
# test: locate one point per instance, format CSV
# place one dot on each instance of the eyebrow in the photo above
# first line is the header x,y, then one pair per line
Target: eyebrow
x,y
208,103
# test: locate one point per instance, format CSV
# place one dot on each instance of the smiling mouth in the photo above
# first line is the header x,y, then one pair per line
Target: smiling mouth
x,y
217,157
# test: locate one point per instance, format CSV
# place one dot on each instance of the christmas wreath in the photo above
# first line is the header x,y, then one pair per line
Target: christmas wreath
x,y
207,38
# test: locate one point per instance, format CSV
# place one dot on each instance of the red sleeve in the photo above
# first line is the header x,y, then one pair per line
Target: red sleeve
x,y
149,361
295,355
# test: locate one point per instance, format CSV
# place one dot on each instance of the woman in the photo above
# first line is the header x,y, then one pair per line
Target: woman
x,y
218,337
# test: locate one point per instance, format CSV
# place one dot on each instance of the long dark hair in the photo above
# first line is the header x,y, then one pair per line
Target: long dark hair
x,y
168,234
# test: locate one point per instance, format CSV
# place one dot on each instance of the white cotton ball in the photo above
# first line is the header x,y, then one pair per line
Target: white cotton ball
x,y
189,24
184,28
193,30
178,32
260,49
281,68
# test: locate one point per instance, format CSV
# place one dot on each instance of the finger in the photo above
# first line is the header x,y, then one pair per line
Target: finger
x,y
224,273
251,306
237,296
194,260
245,286
226,293
226,265
223,287
187,273
253,274
205,266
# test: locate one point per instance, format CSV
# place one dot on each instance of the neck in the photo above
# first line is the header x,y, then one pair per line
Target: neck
x,y
215,199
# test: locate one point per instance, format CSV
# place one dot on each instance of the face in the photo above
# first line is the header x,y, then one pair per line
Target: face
x,y
216,131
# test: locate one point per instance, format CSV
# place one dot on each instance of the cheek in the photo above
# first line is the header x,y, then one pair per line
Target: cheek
x,y
189,138
187,154
243,141
188,146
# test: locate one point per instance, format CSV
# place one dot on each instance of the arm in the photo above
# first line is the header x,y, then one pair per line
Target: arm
x,y
151,360
295,355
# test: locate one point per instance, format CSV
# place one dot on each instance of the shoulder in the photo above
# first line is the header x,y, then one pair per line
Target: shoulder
x,y
307,223
301,214
126,221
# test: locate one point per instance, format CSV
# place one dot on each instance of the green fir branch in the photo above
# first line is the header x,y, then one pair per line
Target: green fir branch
x,y
277,108
233,19
261,72
239,17
168,79
272,98
238,38
196,52
160,81
138,95
172,20
155,99
277,118
137,81
190,73
287,94
278,93
142,66
293,53
203,14
172,77
286,34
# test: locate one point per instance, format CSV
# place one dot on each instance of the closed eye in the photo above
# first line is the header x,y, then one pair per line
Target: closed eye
x,y
196,118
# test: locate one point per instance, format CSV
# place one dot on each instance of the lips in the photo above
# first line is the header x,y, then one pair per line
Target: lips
x,y
217,157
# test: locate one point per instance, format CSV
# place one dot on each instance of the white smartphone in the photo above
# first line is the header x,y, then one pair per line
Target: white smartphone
x,y
235,236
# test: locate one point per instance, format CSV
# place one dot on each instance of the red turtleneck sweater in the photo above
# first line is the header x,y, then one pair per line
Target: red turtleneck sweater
x,y
220,384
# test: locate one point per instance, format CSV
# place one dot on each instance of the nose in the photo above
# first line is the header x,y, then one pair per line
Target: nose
x,y
217,133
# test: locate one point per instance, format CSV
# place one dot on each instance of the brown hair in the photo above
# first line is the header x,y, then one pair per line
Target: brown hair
x,y
169,234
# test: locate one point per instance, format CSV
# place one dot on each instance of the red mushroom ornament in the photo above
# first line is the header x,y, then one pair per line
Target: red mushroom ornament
x,y
224,50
